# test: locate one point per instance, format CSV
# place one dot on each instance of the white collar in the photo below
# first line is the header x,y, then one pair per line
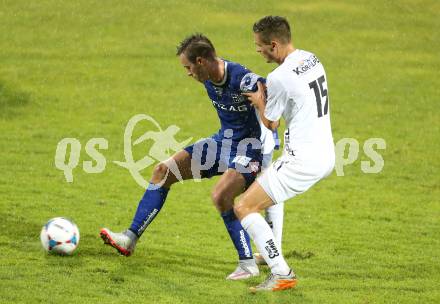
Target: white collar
x,y
224,76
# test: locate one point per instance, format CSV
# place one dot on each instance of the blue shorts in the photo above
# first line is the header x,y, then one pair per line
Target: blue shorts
x,y
213,156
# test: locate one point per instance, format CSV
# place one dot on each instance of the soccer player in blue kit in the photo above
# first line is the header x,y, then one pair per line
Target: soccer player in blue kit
x,y
234,152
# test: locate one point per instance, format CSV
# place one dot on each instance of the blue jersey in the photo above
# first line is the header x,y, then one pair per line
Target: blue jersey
x,y
233,109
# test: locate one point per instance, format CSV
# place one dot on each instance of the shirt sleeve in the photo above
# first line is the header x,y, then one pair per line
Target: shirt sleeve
x,y
249,82
276,99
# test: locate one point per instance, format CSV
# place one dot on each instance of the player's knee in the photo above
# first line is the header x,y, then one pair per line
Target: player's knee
x,y
160,171
241,210
221,200
245,207
159,174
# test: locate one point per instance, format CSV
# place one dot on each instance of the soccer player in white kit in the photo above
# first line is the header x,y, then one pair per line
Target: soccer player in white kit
x,y
297,91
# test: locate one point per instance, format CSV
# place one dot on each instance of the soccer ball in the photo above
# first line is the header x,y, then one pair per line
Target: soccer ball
x,y
60,236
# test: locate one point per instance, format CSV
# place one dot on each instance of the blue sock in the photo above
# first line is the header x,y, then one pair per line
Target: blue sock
x,y
238,235
148,208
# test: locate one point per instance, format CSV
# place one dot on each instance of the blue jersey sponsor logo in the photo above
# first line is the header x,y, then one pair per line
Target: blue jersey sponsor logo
x,y
233,109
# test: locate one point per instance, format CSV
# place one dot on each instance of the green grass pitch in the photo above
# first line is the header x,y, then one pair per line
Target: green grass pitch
x,y
82,68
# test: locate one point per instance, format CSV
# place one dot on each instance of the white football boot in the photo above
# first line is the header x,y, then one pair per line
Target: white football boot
x,y
245,270
123,242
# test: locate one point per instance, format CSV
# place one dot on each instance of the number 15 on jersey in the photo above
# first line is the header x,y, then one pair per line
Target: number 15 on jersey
x,y
320,93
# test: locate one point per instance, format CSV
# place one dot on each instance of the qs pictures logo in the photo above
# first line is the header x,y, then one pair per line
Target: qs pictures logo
x,y
164,145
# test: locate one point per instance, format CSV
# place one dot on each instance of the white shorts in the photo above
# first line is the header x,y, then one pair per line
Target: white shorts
x,y
289,176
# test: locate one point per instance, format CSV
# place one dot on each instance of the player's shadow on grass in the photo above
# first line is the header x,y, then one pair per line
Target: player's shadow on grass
x,y
299,255
195,268
11,99
193,263
156,259
169,266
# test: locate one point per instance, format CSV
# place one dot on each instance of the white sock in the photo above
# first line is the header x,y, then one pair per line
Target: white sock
x,y
275,218
263,237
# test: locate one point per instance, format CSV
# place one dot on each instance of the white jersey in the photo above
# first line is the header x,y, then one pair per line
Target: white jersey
x,y
297,91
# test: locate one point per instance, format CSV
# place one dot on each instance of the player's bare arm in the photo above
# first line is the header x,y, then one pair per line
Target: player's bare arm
x,y
258,100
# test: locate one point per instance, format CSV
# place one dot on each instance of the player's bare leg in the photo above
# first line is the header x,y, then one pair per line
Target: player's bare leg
x,y
230,185
178,167
162,173
248,210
